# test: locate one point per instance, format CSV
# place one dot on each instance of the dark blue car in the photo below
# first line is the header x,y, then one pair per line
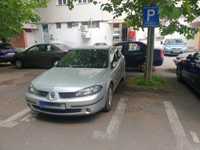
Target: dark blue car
x,y
135,53
7,52
188,70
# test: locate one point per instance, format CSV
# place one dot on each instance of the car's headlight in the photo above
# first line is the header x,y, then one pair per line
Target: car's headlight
x,y
89,91
166,49
31,89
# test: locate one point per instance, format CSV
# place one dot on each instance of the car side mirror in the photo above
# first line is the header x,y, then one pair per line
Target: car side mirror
x,y
113,64
189,57
55,63
161,42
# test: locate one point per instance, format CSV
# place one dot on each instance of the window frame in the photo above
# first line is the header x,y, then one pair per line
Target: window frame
x,y
82,2
136,50
61,2
58,25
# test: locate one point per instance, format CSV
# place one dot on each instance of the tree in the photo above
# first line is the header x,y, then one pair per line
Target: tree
x,y
171,11
15,13
175,16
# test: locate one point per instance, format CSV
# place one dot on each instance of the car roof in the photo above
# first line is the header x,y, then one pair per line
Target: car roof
x,y
127,42
48,44
91,47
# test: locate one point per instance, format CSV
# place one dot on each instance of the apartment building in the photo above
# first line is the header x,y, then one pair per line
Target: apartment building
x,y
85,24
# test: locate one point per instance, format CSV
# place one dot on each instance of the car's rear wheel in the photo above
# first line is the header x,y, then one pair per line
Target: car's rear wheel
x,y
179,73
18,64
109,98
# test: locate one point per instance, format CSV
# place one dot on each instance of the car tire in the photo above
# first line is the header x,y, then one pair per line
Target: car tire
x,y
179,73
19,64
109,97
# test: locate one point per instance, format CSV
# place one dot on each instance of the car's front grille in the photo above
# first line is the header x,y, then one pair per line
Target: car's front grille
x,y
57,110
42,93
67,94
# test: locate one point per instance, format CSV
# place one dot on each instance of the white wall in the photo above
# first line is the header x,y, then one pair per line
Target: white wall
x,y
72,36
81,12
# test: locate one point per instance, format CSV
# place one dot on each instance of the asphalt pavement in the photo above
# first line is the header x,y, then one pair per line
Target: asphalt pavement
x,y
140,120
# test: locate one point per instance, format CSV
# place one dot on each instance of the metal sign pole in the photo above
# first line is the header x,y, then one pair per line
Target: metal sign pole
x,y
150,20
150,53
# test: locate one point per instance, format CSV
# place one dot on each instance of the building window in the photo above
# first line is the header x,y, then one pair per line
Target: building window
x,y
95,24
45,27
91,24
84,1
62,2
72,24
58,26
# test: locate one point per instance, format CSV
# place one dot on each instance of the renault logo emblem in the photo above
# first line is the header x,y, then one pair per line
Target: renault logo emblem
x,y
52,95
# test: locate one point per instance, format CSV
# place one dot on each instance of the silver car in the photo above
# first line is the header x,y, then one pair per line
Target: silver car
x,y
174,47
82,83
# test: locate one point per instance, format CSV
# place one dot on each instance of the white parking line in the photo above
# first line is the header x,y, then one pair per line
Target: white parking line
x,y
12,121
182,142
195,137
113,127
26,118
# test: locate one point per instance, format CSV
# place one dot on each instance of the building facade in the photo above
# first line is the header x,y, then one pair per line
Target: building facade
x,y
85,24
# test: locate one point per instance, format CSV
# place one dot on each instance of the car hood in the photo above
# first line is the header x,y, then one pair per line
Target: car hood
x,y
70,79
175,46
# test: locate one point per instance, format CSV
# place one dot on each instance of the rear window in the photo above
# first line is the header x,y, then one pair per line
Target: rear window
x,y
174,41
5,46
62,47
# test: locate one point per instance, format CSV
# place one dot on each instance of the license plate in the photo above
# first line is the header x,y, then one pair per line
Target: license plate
x,y
52,105
176,50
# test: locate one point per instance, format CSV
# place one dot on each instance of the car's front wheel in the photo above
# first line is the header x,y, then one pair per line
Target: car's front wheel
x,y
18,64
109,98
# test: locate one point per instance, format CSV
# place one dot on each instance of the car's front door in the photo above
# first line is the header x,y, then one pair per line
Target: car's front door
x,y
116,68
52,55
195,75
29,57
134,56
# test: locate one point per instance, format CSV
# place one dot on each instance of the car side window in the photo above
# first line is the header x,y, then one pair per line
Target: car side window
x,y
116,57
134,47
54,48
43,48
34,49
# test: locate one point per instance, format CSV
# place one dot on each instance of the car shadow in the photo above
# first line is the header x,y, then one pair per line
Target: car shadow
x,y
5,64
68,119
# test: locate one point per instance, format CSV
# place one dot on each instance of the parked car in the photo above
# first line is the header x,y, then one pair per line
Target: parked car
x,y
135,53
181,57
174,46
40,55
189,71
7,52
82,83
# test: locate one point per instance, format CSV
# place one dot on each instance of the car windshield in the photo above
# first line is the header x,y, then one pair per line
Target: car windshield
x,y
89,58
5,46
62,46
174,41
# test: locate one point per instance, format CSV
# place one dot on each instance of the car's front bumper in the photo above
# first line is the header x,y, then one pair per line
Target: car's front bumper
x,y
172,52
67,107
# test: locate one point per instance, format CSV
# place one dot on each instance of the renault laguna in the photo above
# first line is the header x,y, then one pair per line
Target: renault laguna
x,y
81,83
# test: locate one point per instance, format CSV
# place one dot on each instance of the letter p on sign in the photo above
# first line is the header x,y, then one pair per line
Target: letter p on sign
x,y
151,16
150,13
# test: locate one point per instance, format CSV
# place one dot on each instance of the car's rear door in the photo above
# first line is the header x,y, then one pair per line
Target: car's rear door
x,y
31,56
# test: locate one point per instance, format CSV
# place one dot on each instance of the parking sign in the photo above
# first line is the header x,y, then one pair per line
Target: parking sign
x,y
151,16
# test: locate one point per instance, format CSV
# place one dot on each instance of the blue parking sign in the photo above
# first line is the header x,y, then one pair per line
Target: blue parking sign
x,y
151,16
